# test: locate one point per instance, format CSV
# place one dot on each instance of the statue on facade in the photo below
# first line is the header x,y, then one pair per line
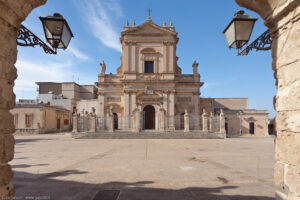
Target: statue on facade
x,y
103,67
195,67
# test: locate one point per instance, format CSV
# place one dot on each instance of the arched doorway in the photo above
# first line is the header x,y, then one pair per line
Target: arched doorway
x,y
116,122
149,117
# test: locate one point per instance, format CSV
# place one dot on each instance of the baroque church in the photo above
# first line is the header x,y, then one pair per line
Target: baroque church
x,y
149,92
149,84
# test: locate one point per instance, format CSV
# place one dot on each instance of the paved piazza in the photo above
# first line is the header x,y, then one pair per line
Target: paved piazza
x,y
59,167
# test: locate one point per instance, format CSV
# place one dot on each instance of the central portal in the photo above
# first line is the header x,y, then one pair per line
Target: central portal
x,y
149,117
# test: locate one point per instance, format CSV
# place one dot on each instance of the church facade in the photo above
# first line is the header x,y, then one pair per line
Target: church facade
x,y
149,91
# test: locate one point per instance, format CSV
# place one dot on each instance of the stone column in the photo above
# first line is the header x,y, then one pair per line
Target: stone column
x,y
101,111
211,121
126,110
12,13
165,106
136,121
204,121
172,56
196,110
132,101
283,20
133,67
127,57
75,123
162,119
172,111
222,123
165,56
186,121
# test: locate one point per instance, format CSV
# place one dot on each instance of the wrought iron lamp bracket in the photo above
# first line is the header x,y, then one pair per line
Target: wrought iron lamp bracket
x,y
27,38
262,43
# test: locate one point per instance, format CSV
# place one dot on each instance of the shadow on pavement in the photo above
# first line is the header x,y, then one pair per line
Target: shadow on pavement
x,y
26,166
49,186
22,141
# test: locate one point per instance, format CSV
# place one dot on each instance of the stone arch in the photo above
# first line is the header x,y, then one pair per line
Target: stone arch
x,y
12,13
282,19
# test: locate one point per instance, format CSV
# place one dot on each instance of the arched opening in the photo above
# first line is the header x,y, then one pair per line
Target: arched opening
x,y
251,127
116,122
149,117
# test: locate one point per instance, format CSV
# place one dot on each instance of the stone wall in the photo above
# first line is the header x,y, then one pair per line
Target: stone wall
x,y
230,103
259,118
12,13
282,17
37,117
87,106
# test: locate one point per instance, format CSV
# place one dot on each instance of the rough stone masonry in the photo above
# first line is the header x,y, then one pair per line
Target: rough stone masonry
x,y
282,17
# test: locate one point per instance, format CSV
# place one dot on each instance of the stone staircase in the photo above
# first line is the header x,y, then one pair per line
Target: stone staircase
x,y
148,135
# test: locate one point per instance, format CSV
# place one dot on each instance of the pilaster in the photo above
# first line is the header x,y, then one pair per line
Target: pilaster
x,y
126,110
172,110
204,121
196,110
222,123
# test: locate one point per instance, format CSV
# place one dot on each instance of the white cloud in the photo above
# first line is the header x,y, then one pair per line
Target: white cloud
x,y
31,72
77,53
101,23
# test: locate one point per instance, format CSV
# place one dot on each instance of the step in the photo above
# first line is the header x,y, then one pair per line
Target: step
x,y
147,135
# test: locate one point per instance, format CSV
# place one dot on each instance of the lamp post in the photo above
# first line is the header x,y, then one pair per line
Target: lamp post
x,y
57,32
238,33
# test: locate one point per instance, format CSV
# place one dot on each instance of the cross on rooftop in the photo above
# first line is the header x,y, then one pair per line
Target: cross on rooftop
x,y
149,14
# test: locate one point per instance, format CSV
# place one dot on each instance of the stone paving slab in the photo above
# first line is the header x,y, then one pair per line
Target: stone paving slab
x,y
60,167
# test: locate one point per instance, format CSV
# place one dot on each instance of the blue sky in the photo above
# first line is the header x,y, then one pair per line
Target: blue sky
x,y
96,25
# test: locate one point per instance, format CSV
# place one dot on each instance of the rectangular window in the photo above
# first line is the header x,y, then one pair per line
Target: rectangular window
x,y
28,120
149,65
66,121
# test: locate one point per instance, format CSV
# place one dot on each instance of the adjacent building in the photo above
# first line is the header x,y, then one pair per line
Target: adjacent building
x,y
31,117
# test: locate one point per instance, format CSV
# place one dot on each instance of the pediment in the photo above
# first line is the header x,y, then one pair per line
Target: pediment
x,y
149,28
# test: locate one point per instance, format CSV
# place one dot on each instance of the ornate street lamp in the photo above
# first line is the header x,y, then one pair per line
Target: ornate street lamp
x,y
57,32
239,30
238,33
